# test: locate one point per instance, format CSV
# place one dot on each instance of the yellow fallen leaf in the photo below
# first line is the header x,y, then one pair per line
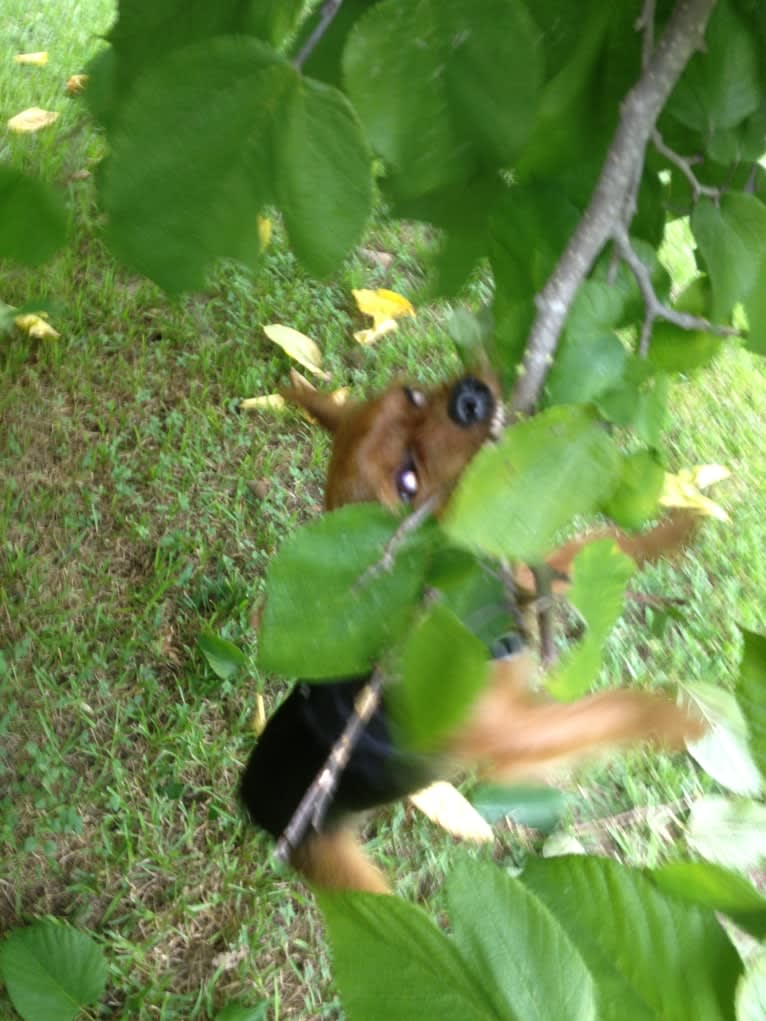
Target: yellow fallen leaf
x,y
76,83
36,326
446,806
382,305
264,232
37,59
267,402
683,490
258,721
298,346
367,337
32,119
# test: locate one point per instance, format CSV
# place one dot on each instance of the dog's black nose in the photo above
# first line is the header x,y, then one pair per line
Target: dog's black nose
x,y
470,402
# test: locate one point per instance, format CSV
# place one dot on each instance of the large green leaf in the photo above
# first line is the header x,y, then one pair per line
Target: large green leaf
x,y
650,955
715,887
729,831
720,85
473,591
731,237
516,495
751,995
723,750
332,605
392,963
751,693
584,368
755,306
323,176
517,950
600,573
145,34
538,807
444,668
32,218
190,166
51,971
442,87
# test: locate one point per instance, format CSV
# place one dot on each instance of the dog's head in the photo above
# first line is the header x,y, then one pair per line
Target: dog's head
x,y
406,444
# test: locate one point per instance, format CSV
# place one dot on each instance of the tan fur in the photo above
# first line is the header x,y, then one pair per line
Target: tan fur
x,y
336,861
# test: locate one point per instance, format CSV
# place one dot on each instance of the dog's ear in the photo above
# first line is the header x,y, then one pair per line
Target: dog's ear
x,y
321,406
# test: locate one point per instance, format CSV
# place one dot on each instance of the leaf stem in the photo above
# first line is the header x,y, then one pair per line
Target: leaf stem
x,y
326,15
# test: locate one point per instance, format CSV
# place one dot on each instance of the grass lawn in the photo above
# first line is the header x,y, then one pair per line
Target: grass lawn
x,y
138,507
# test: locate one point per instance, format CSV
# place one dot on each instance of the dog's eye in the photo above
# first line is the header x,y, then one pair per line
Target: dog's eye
x,y
416,397
407,481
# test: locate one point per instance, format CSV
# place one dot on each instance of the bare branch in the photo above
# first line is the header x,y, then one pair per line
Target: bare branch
x,y
640,109
699,190
654,308
314,804
328,12
409,525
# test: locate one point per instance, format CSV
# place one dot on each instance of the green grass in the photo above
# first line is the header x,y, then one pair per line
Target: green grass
x,y
129,524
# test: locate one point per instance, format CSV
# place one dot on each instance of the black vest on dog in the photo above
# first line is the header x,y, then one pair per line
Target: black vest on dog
x,y
300,735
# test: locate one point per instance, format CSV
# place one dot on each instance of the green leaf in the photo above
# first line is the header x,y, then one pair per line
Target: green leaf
x,y
674,349
32,218
190,166
224,657
641,946
751,994
755,307
714,887
442,88
723,750
52,971
238,1012
751,693
585,368
392,963
144,36
271,20
566,126
636,498
728,831
472,590
720,85
444,669
732,241
541,808
600,574
323,176
516,949
517,494
332,607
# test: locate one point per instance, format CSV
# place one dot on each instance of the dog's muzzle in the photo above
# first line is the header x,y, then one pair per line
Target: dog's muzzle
x,y
470,402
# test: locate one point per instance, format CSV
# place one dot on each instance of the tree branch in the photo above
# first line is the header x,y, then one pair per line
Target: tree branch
x,y
313,805
654,308
699,190
640,110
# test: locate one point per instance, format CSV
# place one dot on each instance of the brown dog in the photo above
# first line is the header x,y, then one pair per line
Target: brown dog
x,y
406,446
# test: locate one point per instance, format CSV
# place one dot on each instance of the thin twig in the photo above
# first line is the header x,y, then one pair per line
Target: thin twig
x,y
654,308
640,110
544,602
699,190
313,805
645,25
409,525
328,12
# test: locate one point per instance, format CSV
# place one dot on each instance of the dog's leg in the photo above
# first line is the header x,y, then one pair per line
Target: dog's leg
x,y
513,732
336,861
